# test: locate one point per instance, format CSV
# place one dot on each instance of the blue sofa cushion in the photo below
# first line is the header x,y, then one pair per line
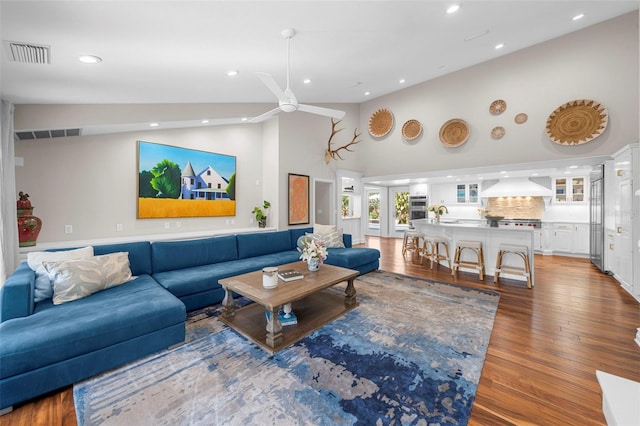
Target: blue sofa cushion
x,y
203,278
17,293
351,257
251,245
296,233
139,255
175,255
56,333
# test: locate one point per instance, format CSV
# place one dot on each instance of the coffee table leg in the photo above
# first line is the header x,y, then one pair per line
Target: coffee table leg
x,y
228,304
274,329
350,293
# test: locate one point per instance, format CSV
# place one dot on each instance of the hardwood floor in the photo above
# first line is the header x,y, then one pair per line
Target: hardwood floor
x,y
547,343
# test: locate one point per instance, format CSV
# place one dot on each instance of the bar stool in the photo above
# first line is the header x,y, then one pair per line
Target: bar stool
x,y
522,252
412,243
476,248
431,249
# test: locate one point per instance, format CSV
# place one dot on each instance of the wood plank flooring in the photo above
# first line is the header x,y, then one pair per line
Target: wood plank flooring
x,y
546,344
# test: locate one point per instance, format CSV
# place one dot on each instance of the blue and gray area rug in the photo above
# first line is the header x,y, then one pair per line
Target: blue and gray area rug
x,y
411,353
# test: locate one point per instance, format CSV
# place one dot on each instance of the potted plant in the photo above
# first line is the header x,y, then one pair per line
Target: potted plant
x,y
261,215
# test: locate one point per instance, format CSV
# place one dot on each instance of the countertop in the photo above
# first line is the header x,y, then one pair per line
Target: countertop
x,y
470,224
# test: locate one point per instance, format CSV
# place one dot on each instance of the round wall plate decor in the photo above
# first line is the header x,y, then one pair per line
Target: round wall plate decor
x,y
380,123
411,130
497,107
454,133
520,118
497,132
577,122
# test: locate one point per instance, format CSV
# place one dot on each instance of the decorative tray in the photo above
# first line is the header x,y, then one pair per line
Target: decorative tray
x,y
497,107
380,123
411,129
454,133
577,122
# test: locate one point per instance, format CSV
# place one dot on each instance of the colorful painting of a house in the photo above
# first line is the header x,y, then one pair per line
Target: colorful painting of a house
x,y
206,185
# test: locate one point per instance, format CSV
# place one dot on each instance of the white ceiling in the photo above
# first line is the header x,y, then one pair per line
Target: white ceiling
x,y
179,51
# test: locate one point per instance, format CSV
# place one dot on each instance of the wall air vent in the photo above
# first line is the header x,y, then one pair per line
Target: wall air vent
x,y
46,134
28,53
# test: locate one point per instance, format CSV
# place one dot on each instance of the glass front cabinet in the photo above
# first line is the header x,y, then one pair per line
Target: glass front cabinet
x,y
467,193
569,189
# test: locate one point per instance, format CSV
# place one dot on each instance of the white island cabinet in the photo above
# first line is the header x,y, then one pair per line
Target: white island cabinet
x,y
491,239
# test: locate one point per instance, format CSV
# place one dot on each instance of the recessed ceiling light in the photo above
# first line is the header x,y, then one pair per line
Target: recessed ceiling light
x,y
306,81
204,121
154,124
503,172
578,17
244,119
453,8
89,59
367,93
573,167
232,73
499,46
534,174
402,80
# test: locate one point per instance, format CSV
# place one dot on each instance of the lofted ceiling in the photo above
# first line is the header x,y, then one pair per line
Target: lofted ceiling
x,y
180,51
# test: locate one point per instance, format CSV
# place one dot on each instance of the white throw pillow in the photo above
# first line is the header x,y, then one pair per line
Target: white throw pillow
x,y
44,287
330,234
75,279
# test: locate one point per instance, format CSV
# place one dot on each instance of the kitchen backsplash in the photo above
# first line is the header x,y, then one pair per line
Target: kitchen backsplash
x,y
516,207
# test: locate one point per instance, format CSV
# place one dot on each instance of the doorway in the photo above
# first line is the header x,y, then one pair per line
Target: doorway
x,y
323,202
398,211
373,223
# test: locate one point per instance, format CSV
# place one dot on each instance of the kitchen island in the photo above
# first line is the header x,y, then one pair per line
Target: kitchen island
x,y
491,238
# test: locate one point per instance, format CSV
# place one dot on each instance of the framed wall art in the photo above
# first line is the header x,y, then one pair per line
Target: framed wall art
x,y
298,199
182,182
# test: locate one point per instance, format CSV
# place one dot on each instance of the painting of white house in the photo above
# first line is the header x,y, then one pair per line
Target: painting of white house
x,y
182,182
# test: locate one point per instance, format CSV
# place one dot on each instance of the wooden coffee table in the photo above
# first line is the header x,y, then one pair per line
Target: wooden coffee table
x,y
312,303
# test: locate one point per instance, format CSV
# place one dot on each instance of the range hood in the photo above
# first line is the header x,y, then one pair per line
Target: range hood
x,y
516,187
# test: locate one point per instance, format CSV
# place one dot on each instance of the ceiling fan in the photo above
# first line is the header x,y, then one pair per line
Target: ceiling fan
x,y
287,101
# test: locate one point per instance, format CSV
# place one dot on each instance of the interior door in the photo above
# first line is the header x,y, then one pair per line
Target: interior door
x,y
374,212
398,211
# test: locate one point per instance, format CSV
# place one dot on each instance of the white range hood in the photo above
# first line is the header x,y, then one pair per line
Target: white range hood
x,y
517,187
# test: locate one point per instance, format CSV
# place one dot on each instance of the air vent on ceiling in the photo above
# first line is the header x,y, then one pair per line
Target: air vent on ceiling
x,y
28,53
46,134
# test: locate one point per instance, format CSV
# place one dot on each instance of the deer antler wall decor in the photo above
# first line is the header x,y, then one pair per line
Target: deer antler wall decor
x,y
334,153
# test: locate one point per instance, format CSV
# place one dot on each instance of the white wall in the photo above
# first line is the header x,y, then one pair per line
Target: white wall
x,y
599,62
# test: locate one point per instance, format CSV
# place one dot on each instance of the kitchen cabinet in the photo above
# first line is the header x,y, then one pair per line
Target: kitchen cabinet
x,y
455,193
626,212
569,189
467,193
562,237
570,238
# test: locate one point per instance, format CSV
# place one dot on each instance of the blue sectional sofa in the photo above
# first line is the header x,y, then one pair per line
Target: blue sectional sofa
x,y
44,347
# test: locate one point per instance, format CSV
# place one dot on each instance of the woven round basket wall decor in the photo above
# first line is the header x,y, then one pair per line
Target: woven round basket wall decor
x,y
411,130
577,122
380,123
497,132
497,107
454,133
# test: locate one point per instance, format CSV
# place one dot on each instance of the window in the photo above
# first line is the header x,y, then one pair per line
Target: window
x,y
346,209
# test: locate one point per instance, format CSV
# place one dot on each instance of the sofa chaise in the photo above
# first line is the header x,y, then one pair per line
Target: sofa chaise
x,y
46,346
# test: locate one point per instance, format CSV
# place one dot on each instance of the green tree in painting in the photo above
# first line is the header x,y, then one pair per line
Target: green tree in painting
x,y
231,188
166,179
145,190
402,208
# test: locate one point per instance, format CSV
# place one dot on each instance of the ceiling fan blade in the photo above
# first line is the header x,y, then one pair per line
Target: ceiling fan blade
x,y
335,113
271,84
263,117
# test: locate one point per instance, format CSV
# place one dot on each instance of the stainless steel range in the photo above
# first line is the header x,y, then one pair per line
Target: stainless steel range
x,y
511,223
